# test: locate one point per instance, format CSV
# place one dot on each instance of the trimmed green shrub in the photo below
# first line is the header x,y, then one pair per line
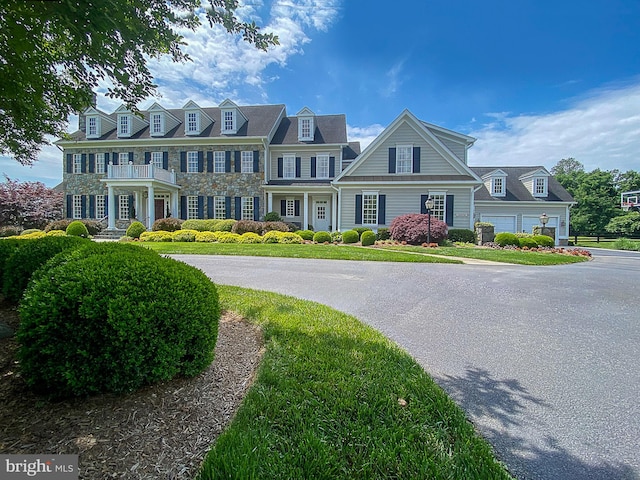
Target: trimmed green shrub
x,y
350,236
305,234
413,229
272,217
225,225
9,231
322,237
275,236
32,235
170,224
93,227
361,230
250,237
483,224
7,247
368,238
120,318
159,236
506,238
136,229
461,235
26,259
528,242
383,234
77,229
544,241
184,235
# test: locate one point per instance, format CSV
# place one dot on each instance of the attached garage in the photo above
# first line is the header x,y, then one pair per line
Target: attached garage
x,y
501,223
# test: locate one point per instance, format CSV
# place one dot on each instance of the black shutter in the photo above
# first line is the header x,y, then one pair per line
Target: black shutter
x,y
227,207
200,207
147,158
92,163
416,159
238,202
332,167
92,206
449,210
165,160
280,167
382,209
131,157
236,161
69,206
200,161
256,208
132,207
106,161
298,167
83,206
423,207
358,210
313,167
183,161
256,161
296,206
392,160
210,162
210,207
183,207
227,161
283,208
83,163
114,159
69,163
106,205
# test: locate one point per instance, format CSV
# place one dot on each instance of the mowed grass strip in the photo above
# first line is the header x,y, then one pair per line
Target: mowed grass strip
x,y
335,399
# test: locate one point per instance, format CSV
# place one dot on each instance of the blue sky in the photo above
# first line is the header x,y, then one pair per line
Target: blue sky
x,y
533,81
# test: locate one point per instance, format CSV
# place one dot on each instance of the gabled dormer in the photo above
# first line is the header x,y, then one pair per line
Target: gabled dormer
x,y
160,121
496,183
537,182
306,125
231,118
97,123
128,123
195,119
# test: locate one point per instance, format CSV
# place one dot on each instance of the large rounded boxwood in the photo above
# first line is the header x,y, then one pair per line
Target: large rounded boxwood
x,y
350,236
368,238
544,241
322,237
136,229
77,229
506,238
111,319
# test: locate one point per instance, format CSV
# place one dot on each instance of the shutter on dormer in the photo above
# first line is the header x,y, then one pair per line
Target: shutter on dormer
x,y
200,161
165,160
236,161
313,167
449,210
227,162
332,167
69,163
298,167
256,161
392,160
280,167
416,159
358,210
92,163
183,162
382,207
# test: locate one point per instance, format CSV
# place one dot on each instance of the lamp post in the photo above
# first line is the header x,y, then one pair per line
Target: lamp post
x,y
543,220
429,205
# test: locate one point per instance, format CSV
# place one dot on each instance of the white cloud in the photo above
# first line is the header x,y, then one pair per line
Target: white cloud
x,y
601,130
392,79
364,135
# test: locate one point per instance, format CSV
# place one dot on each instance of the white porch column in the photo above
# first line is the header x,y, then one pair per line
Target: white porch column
x,y
112,209
305,216
269,202
137,205
334,211
151,206
174,204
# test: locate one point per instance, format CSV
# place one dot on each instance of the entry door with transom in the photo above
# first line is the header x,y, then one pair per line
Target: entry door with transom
x,y
321,216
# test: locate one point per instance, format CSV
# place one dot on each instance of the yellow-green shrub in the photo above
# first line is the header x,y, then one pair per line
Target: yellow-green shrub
x,y
184,235
157,236
207,236
56,233
228,237
250,237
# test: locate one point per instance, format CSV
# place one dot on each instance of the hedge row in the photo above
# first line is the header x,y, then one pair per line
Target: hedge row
x,y
273,236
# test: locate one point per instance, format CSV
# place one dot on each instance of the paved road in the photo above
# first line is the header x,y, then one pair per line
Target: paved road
x,y
544,360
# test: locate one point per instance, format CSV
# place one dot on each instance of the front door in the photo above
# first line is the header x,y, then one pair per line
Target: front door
x,y
321,216
160,208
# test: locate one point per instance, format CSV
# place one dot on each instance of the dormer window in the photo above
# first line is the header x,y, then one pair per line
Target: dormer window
x,y
92,127
498,186
192,122
228,121
157,124
540,187
124,126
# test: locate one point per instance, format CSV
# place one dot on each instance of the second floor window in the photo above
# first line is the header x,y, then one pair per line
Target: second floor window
x,y
192,162
218,163
289,166
404,159
246,166
123,158
322,168
156,159
77,163
100,163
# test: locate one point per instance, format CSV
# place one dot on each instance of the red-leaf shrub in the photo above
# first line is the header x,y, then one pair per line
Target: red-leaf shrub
x,y
412,228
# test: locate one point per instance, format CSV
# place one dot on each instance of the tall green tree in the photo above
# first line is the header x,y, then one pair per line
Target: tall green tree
x,y
53,53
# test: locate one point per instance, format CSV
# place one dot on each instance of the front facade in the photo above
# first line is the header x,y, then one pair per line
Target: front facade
x,y
241,162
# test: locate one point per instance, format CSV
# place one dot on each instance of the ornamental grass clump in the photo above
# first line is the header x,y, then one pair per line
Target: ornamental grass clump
x,y
413,229
114,319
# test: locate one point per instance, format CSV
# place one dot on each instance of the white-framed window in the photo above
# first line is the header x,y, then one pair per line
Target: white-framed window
x,y
289,166
123,206
247,208
77,163
100,206
322,166
369,208
92,126
228,123
192,207
246,164
497,186
540,187
124,126
438,210
193,122
157,124
305,129
290,210
404,159
77,206
192,162
219,162
219,207
156,159
123,158
101,166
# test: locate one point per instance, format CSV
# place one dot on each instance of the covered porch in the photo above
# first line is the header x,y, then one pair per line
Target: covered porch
x,y
314,207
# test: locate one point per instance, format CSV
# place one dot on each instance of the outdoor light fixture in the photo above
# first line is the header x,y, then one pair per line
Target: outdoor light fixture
x,y
429,205
544,219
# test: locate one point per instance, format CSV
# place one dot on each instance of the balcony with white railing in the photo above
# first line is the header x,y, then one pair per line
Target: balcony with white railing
x,y
141,172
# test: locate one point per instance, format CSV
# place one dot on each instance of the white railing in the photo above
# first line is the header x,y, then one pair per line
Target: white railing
x,y
148,171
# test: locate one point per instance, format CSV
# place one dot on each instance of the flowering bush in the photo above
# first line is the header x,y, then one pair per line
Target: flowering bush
x,y
170,224
413,229
244,226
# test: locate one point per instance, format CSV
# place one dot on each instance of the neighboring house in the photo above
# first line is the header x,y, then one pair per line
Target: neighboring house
x,y
240,162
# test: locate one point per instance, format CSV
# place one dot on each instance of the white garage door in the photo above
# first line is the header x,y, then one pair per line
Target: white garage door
x,y
506,223
528,222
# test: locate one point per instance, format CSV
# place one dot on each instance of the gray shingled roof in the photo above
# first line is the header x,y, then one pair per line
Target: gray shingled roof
x,y
261,120
516,191
351,151
408,178
328,129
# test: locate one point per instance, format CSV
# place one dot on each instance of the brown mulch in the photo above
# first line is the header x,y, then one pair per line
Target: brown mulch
x,y
162,431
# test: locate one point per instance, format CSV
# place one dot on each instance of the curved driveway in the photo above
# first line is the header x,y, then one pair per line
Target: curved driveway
x,y
544,360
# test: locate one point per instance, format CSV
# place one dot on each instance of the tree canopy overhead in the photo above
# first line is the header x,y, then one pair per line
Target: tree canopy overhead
x,y
54,53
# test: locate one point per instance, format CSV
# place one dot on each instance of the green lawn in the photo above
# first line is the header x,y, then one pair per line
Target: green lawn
x,y
335,399
610,243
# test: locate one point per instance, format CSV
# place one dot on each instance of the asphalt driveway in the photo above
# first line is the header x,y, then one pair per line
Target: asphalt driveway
x,y
544,360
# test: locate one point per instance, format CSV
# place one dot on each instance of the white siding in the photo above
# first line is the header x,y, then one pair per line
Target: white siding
x,y
456,148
